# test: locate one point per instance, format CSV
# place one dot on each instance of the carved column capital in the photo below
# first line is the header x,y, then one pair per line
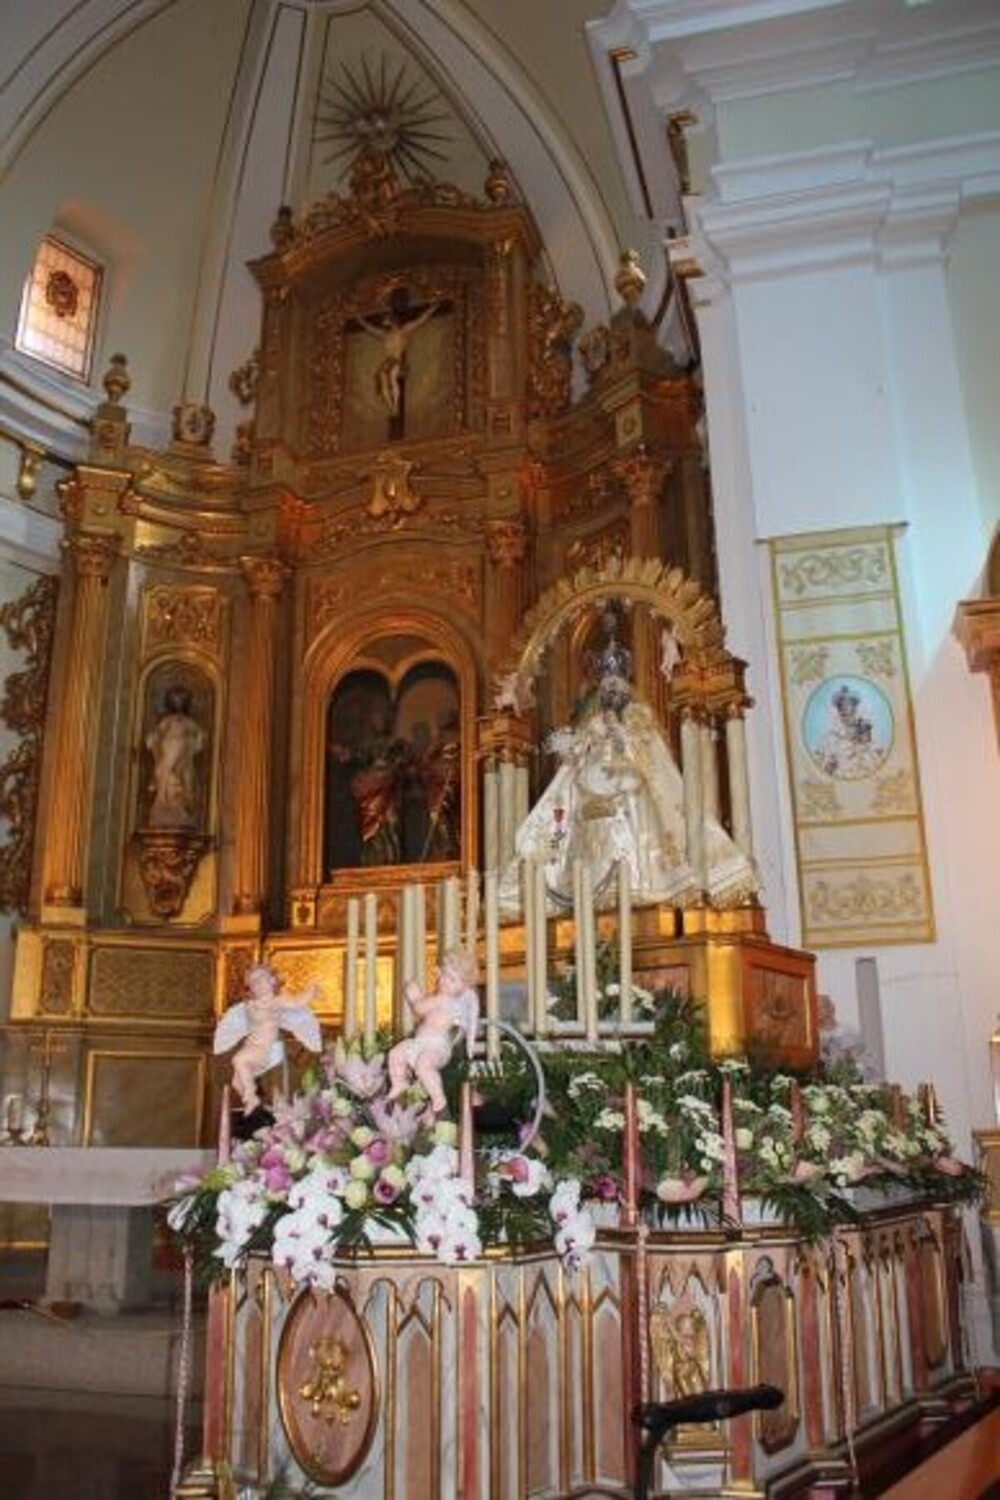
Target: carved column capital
x,y
642,474
265,576
92,556
507,541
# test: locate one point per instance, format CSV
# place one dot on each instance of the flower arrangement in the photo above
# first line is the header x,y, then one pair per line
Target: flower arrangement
x,y
341,1166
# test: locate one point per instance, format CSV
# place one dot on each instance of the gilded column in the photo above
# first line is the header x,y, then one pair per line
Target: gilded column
x,y
694,800
65,840
739,780
507,543
642,476
265,578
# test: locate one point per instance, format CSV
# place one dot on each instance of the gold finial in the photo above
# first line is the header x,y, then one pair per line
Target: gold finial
x,y
283,229
117,380
630,282
499,188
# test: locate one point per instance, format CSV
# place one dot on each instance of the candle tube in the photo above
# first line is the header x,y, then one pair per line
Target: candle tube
x,y
798,1111
472,910
451,926
491,816
508,823
539,895
14,1114
420,936
590,976
630,1159
730,1176
579,942
225,1125
371,970
350,1026
625,941
466,1135
530,948
405,954
492,945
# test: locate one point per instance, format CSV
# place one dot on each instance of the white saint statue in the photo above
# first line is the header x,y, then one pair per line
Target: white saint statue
x,y
618,795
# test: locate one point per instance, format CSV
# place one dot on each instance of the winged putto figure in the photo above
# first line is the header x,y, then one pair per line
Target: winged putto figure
x,y
452,1007
254,1028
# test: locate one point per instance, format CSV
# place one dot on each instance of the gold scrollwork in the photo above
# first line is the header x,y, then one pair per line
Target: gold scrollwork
x,y
808,663
554,324
839,568
29,624
326,1390
878,658
168,862
681,1349
894,793
818,799
184,617
867,899
162,982
56,992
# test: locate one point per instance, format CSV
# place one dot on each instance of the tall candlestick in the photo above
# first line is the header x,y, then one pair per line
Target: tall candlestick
x,y
405,956
625,941
420,936
491,817
351,969
530,948
451,927
371,967
225,1124
539,896
590,954
472,910
579,943
630,1159
492,945
730,1175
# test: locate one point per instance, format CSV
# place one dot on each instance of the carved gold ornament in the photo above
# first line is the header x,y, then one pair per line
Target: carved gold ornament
x,y
168,862
392,496
554,324
681,1349
377,114
326,1390
29,624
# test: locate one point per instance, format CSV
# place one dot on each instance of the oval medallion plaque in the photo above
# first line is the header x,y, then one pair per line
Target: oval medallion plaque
x,y
328,1393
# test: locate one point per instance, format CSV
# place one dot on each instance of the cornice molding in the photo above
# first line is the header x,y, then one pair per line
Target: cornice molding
x,y
841,205
732,49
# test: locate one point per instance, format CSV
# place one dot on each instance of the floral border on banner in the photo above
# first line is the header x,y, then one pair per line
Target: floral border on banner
x,y
851,749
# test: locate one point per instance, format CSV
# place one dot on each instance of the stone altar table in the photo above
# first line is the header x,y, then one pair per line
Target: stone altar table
x,y
101,1239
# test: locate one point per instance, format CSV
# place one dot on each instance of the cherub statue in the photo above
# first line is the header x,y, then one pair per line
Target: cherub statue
x,y
453,1006
254,1027
509,692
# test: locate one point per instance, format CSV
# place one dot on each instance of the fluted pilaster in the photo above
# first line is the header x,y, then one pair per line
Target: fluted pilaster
x,y
91,558
265,577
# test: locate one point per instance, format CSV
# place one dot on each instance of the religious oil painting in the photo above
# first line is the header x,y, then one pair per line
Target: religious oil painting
x,y
393,773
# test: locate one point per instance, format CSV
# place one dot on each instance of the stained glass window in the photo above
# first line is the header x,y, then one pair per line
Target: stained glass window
x,y
59,309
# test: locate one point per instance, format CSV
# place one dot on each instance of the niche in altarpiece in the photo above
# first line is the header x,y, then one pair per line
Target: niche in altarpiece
x,y
174,790
393,769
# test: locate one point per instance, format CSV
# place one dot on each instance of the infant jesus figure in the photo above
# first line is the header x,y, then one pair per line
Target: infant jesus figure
x,y
453,1006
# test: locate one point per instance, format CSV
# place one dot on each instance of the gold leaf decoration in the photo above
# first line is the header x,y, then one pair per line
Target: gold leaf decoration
x,y
29,625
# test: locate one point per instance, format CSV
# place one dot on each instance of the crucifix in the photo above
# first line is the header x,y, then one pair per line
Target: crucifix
x,y
394,328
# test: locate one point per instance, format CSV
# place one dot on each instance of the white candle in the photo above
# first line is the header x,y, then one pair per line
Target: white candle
x,y
471,910
450,929
579,942
530,946
491,817
508,821
404,955
625,940
371,966
541,1016
351,968
590,980
492,944
420,936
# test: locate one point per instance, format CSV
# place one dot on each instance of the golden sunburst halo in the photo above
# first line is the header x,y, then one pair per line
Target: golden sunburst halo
x,y
379,109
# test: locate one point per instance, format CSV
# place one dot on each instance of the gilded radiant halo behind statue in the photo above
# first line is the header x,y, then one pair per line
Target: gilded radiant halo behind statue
x,y
618,796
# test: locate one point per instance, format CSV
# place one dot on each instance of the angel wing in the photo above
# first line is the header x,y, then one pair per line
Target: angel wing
x,y
232,1028
468,1014
301,1021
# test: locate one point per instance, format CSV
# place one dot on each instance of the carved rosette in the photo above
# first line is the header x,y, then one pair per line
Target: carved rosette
x,y
168,862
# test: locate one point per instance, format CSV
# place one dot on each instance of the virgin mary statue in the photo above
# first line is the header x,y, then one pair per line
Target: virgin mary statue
x,y
618,795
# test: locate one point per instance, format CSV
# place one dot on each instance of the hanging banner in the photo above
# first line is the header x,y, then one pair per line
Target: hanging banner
x,y
855,784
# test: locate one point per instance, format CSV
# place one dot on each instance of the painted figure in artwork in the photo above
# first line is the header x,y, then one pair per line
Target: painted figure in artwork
x,y
256,1024
452,1007
395,329
175,742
